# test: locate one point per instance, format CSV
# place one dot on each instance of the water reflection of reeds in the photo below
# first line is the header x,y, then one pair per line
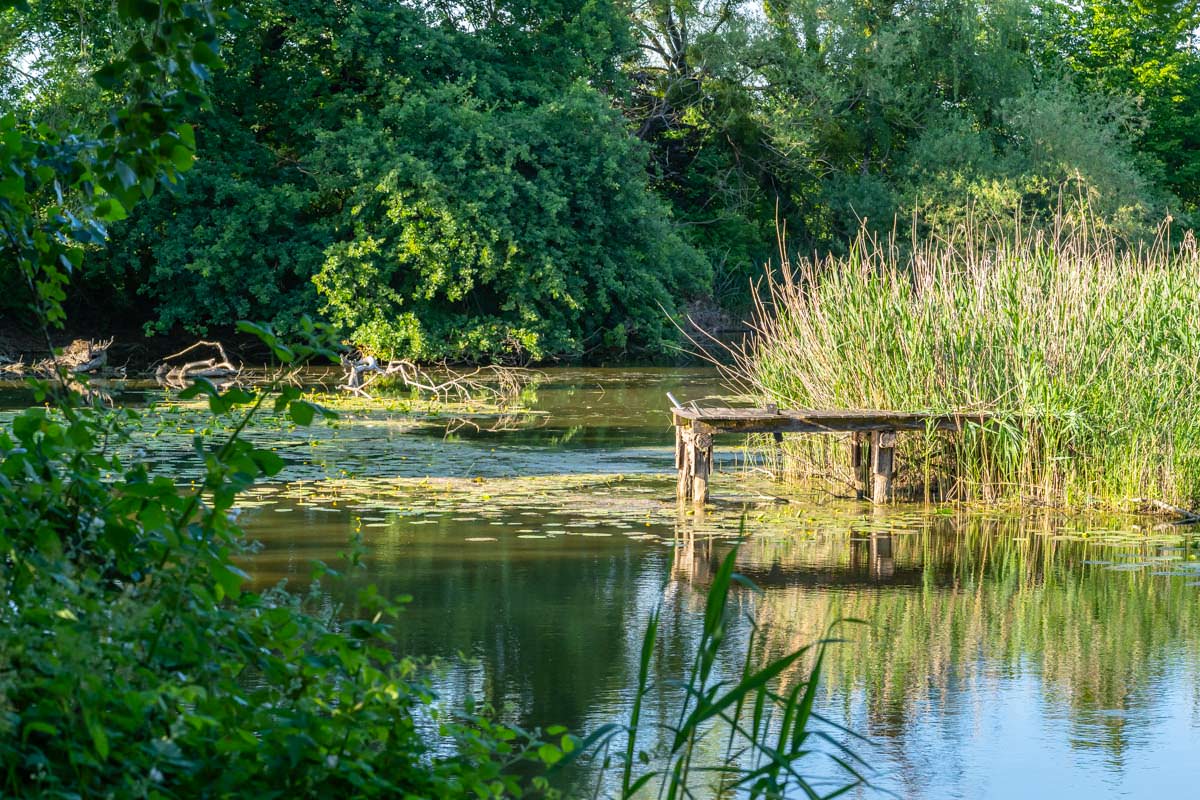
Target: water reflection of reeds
x,y
972,600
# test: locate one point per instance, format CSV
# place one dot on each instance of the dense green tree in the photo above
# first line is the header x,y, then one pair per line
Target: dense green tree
x,y
560,250
834,113
61,182
534,178
1145,50
453,180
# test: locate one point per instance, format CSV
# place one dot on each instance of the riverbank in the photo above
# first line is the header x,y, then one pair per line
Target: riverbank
x,y
132,353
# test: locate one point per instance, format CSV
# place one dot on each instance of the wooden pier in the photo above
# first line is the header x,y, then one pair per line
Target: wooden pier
x,y
872,443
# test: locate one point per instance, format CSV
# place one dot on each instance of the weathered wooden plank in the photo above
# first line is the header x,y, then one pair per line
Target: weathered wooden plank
x,y
747,420
717,413
725,413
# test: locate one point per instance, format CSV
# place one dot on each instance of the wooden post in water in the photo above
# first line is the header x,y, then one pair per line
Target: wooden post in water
x,y
701,461
778,437
858,463
683,461
883,456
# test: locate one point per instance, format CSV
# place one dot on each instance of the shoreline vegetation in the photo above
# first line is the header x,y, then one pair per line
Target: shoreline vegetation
x,y
1081,347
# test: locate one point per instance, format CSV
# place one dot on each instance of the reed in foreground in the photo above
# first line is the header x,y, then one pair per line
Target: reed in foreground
x,y
1084,349
749,732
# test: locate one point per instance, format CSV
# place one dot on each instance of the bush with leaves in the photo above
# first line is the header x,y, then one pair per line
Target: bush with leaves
x,y
60,186
135,664
561,250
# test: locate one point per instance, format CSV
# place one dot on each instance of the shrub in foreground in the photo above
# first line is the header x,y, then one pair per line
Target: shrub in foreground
x,y
135,665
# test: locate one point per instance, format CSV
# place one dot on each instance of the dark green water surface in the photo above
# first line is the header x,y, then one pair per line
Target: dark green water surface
x,y
1001,656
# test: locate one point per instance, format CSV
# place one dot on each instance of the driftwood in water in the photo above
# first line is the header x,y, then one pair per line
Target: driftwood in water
x,y
80,357
12,367
175,372
1182,516
500,385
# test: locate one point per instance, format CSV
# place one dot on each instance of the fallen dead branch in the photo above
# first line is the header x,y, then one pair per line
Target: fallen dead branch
x,y
178,374
12,367
82,356
494,384
504,422
1183,515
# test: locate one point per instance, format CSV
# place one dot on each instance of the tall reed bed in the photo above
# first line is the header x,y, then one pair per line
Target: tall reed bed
x,y
1084,348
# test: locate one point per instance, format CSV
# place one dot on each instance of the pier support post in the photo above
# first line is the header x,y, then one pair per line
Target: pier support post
x,y
858,463
883,457
777,436
693,460
701,461
683,461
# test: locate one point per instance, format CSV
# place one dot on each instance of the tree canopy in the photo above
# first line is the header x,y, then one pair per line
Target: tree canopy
x,y
547,178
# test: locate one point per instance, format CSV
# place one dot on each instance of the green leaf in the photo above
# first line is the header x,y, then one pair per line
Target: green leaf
x,y
110,210
204,54
237,396
98,734
37,726
145,10
283,353
218,404
12,187
260,332
549,754
125,175
268,462
182,158
110,74
199,386
187,135
229,583
302,412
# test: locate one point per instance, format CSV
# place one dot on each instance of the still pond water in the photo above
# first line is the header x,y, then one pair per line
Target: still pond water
x,y
998,658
